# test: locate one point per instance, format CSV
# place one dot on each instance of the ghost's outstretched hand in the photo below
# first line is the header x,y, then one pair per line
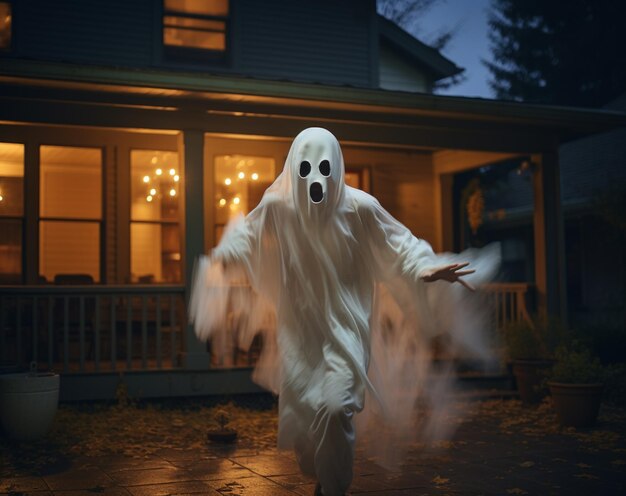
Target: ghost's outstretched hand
x,y
450,273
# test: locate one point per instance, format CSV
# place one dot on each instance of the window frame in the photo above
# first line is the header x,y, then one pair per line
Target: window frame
x,y
101,222
193,55
179,222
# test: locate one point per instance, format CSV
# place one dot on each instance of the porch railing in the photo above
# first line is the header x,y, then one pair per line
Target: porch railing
x,y
509,302
121,328
92,328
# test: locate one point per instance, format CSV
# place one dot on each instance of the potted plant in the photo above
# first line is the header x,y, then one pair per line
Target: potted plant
x,y
576,385
529,346
28,403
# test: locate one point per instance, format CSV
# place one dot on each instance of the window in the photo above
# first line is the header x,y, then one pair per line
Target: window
x,y
155,236
240,183
195,28
6,21
11,212
70,213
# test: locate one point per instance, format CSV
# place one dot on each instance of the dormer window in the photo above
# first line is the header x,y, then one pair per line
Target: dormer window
x,y
6,19
195,29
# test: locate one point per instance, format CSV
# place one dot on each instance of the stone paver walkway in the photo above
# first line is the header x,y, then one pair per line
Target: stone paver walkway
x,y
502,449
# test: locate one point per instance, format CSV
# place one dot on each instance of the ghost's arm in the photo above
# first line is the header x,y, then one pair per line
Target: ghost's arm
x,y
397,252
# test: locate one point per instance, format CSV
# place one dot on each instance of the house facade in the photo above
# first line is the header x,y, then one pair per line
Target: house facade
x,y
130,132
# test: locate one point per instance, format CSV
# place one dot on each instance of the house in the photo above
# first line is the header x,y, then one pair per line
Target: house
x,y
593,178
131,131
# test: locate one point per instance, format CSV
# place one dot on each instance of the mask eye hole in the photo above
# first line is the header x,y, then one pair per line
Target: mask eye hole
x,y
305,168
325,168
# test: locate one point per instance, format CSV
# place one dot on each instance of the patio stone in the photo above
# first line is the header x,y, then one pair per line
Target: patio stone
x,y
482,458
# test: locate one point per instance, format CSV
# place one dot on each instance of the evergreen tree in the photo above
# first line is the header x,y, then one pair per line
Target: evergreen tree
x,y
563,52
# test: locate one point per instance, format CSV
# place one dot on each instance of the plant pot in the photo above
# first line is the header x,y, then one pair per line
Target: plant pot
x,y
224,436
529,376
28,403
576,405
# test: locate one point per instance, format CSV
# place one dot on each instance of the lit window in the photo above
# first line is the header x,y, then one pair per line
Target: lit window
x,y
11,212
240,182
196,24
6,19
155,237
70,212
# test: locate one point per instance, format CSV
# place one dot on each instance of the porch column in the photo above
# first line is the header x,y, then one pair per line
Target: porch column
x,y
549,237
191,145
444,218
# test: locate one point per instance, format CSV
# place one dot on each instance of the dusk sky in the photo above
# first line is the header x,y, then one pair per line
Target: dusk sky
x,y
468,46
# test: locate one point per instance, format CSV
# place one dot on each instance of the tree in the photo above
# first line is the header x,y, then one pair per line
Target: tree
x,y
565,52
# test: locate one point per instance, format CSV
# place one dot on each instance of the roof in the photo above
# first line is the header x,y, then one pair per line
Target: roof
x,y
418,52
164,99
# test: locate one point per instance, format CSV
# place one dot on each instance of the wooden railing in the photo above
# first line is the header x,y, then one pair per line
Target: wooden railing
x,y
509,302
92,328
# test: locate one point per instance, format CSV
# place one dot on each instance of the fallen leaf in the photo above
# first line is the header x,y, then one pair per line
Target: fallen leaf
x,y
586,476
440,480
516,490
526,464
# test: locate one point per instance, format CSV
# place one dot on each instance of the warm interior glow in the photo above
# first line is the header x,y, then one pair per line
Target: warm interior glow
x,y
70,204
155,236
254,175
11,212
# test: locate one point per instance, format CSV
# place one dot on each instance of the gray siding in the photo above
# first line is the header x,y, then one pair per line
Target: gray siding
x,y
397,73
115,32
306,40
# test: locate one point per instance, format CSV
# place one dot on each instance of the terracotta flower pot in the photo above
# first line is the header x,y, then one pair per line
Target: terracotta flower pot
x,y
576,405
529,375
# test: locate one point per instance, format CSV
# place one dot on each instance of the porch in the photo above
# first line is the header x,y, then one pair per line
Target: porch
x,y
98,336
208,147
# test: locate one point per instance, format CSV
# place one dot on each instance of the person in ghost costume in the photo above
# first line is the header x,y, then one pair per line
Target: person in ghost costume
x,y
319,257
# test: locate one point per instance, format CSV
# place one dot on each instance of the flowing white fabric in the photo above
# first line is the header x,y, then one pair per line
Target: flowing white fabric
x,y
336,291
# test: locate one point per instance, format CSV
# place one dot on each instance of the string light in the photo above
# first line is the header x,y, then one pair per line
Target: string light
x,y
1,198
227,181
154,160
172,172
172,192
241,175
236,200
159,172
255,176
222,202
146,179
149,198
176,177
153,191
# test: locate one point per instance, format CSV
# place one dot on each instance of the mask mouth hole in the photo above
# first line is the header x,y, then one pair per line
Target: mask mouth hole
x,y
316,193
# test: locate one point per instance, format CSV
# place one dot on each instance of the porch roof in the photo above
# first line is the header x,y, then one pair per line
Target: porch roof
x,y
175,100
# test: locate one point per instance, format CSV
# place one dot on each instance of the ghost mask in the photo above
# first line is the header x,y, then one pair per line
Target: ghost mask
x,y
316,170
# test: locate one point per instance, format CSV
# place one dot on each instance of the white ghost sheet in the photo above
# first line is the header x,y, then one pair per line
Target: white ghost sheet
x,y
333,282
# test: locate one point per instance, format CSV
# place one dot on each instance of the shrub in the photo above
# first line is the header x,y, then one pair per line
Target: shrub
x,y
576,366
